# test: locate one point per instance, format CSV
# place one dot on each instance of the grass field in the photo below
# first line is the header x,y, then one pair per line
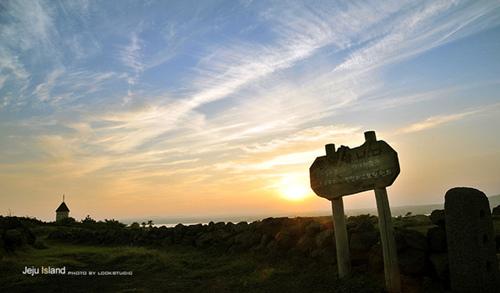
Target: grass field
x,y
178,269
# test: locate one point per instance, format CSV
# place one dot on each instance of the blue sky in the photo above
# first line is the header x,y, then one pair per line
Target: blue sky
x,y
149,106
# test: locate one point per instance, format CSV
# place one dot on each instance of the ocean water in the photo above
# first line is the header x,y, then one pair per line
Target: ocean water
x,y
395,211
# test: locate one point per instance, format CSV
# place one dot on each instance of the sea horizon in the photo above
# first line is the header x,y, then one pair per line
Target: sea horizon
x,y
396,211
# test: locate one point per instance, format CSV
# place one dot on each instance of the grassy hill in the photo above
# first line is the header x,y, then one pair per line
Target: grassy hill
x,y
176,269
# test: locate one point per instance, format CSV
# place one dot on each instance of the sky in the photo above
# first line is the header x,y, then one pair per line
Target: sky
x,y
206,108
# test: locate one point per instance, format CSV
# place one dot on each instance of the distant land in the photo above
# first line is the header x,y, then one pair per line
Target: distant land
x,y
396,211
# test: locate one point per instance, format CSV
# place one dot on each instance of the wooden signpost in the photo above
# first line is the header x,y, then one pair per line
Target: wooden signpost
x,y
373,165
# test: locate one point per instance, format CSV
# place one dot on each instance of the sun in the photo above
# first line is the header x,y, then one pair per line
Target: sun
x,y
293,189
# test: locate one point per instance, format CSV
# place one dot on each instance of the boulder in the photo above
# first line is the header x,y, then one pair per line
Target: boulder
x,y
273,249
219,225
240,227
439,263
436,239
306,244
362,223
194,229
438,217
205,240
295,228
271,226
496,211
363,241
416,220
412,261
360,244
247,239
326,255
265,239
230,226
167,241
312,229
261,247
376,259
180,229
284,240
326,224
407,238
215,226
325,239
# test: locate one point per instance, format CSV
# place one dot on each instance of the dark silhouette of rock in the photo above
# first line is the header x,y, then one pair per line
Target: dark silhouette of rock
x,y
376,259
271,226
326,255
284,240
439,262
416,220
305,245
205,240
496,211
247,239
363,241
412,261
312,229
362,223
438,217
470,237
325,239
436,238
360,244
406,238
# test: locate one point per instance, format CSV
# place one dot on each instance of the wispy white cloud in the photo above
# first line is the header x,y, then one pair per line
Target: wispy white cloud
x,y
10,64
435,121
43,90
30,24
131,54
308,135
231,68
242,69
3,78
433,24
255,103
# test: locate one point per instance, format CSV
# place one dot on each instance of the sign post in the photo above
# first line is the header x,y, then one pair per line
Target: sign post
x,y
373,165
341,240
391,267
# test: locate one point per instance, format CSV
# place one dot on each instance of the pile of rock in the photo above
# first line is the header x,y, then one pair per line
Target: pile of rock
x,y
436,238
420,253
272,236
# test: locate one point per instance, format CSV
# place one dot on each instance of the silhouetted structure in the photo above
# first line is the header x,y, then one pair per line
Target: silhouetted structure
x,y
62,211
373,165
471,241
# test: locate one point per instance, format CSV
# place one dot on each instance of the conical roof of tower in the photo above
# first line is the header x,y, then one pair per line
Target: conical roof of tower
x,y
62,208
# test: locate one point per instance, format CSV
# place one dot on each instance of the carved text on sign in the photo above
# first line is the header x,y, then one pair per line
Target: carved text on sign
x,y
347,171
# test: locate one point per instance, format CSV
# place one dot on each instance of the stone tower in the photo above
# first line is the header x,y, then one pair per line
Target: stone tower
x,y
62,211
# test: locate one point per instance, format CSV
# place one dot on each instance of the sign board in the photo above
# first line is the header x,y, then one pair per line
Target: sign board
x,y
372,165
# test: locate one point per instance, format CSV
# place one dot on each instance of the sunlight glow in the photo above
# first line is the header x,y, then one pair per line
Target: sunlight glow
x,y
293,189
